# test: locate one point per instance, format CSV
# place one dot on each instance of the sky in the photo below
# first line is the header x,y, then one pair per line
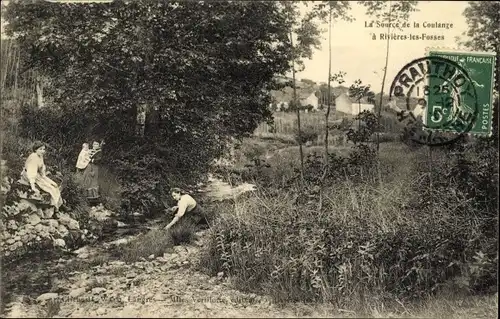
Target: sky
x,y
354,51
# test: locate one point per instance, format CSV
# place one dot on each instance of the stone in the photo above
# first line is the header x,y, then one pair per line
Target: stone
x,y
75,293
100,311
10,241
6,235
47,296
59,242
131,275
120,224
52,223
98,290
39,228
220,274
39,212
48,212
152,256
24,204
11,224
62,230
34,219
67,221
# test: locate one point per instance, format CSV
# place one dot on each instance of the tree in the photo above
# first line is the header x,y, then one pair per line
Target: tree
x,y
330,11
388,12
207,67
483,20
306,32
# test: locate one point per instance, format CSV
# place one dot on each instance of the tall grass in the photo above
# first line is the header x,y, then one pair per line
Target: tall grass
x,y
360,242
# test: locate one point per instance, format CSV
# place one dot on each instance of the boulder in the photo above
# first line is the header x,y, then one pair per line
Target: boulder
x,y
75,293
24,204
67,221
11,224
34,219
39,212
52,223
98,290
62,230
59,242
39,228
48,212
47,296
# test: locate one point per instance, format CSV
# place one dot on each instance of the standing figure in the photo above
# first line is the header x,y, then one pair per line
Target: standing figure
x,y
34,174
90,180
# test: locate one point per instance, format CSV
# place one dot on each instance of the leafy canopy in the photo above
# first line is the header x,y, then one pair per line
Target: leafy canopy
x,y
206,66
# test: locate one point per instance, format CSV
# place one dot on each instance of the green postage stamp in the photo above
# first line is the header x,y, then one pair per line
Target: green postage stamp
x,y
461,100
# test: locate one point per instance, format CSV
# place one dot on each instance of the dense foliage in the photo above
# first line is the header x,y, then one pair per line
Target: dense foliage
x,y
202,69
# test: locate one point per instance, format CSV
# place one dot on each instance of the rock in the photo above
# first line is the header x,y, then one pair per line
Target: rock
x,y
75,293
48,212
52,223
120,241
24,204
6,235
39,228
34,219
98,290
67,221
39,212
100,311
220,274
117,263
120,224
208,305
47,296
62,230
59,242
131,275
11,224
152,256
10,241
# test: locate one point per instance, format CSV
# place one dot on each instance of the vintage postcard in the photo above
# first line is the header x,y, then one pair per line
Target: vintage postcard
x,y
249,158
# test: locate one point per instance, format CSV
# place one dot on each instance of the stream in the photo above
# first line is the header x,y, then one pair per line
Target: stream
x,y
26,279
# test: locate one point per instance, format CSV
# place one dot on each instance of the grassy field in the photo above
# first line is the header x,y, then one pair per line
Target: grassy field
x,y
285,127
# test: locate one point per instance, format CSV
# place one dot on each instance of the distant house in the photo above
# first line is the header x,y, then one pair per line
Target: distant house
x,y
348,105
305,96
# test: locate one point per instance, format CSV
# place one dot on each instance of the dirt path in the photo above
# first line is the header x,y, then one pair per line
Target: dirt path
x,y
165,286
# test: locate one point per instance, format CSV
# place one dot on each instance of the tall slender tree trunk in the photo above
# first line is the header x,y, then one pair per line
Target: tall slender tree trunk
x,y
384,76
301,152
328,105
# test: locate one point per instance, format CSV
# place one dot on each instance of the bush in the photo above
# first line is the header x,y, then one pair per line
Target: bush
x,y
307,134
363,245
425,228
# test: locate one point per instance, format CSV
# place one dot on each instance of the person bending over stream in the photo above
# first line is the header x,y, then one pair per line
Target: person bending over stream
x,y
188,210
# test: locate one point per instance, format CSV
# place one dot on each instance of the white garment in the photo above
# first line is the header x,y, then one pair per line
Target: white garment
x,y
83,159
185,204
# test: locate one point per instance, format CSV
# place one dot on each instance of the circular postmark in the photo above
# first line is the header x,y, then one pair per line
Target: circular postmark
x,y
439,100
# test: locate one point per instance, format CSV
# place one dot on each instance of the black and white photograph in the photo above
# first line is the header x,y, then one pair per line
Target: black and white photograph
x,y
249,159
